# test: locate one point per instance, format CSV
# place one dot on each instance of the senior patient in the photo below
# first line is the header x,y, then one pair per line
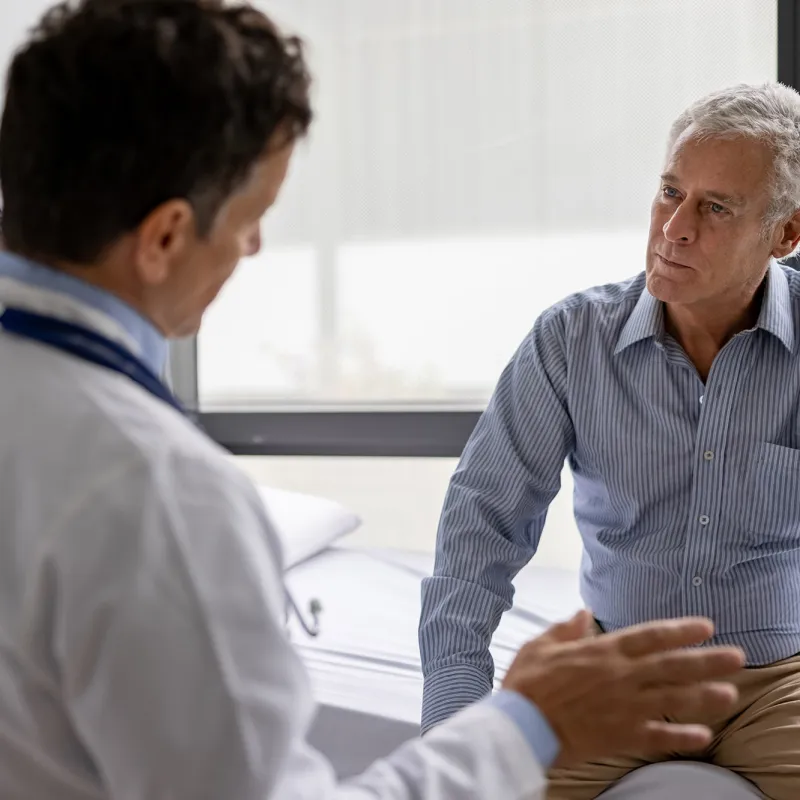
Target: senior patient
x,y
674,396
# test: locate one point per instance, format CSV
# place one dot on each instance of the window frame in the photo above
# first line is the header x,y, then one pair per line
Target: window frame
x,y
406,432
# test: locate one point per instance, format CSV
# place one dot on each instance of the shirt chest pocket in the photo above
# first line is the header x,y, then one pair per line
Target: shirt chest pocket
x,y
772,493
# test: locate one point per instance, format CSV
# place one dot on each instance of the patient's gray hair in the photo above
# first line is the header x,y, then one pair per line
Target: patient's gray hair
x,y
768,113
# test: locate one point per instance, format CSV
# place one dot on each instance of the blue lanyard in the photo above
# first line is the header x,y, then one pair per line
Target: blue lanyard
x,y
87,345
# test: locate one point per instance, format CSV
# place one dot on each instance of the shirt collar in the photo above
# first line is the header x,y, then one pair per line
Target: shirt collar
x,y
647,319
645,322
153,346
776,307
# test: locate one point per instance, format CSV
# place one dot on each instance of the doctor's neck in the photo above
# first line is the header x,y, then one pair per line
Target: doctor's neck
x,y
116,272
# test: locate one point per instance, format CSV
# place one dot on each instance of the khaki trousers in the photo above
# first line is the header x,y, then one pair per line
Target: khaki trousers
x,y
760,742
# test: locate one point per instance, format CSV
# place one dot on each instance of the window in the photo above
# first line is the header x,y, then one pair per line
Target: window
x,y
472,163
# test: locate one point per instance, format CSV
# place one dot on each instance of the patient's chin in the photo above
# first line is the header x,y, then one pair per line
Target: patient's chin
x,y
669,290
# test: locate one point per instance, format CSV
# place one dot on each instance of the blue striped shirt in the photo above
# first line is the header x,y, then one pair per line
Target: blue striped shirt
x,y
687,495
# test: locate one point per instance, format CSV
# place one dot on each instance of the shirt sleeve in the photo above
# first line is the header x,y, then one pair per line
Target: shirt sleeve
x,y
538,732
493,517
166,599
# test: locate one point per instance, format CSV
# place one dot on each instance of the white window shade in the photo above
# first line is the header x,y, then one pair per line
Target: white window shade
x,y
472,162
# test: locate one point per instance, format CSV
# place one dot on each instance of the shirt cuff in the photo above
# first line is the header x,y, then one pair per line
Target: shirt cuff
x,y
451,689
534,727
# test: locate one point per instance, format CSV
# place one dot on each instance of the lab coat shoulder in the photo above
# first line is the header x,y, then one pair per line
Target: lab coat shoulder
x,y
129,448
162,499
73,427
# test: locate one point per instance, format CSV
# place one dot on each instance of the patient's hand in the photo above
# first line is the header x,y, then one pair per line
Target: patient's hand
x,y
609,695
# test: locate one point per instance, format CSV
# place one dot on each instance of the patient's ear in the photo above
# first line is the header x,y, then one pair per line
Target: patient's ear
x,y
789,234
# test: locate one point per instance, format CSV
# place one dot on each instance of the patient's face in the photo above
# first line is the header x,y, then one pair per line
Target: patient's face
x,y
706,233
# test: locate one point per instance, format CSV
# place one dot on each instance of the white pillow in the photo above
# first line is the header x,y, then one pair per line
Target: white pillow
x,y
305,524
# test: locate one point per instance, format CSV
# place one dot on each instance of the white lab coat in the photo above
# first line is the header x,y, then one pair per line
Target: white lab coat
x,y
142,646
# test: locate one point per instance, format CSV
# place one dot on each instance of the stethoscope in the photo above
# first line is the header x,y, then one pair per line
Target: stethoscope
x,y
314,609
91,346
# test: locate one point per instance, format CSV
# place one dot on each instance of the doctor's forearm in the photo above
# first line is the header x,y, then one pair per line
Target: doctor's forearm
x,y
480,753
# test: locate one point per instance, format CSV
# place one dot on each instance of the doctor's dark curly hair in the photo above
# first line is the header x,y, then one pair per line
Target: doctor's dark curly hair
x,y
114,107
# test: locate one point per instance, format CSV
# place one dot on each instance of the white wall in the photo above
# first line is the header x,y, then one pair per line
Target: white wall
x,y
400,499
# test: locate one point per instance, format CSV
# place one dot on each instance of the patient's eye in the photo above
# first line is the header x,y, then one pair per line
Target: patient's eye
x,y
669,191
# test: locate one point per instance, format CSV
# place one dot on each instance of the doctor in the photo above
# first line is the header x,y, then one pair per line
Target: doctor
x,y
142,652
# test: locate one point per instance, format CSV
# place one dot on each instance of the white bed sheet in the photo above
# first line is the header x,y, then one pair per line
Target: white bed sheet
x,y
366,657
365,667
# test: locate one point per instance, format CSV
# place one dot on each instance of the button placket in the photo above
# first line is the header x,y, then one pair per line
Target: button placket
x,y
707,506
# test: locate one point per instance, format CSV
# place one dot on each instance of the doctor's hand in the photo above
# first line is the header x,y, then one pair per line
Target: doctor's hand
x,y
609,695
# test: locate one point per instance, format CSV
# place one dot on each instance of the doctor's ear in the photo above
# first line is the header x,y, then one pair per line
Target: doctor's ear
x,y
163,238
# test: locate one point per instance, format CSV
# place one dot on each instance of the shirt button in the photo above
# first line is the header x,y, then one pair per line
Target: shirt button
x,y
702,397
708,455
704,520
697,581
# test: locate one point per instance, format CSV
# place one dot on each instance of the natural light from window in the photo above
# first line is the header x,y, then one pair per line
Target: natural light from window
x,y
472,163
